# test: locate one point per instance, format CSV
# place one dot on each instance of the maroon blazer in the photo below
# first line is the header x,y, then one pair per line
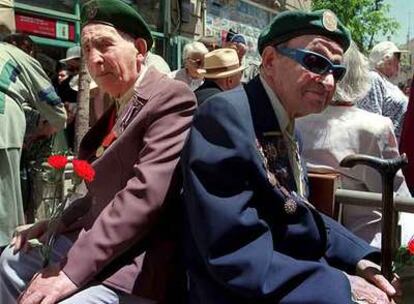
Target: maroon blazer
x,y
125,227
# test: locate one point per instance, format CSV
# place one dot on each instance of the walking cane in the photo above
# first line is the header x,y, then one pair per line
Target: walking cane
x,y
387,168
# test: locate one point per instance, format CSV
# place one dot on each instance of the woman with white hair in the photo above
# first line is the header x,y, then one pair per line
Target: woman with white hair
x,y
343,129
384,97
193,57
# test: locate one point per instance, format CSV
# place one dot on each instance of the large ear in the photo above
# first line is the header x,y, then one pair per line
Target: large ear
x,y
141,46
268,56
229,82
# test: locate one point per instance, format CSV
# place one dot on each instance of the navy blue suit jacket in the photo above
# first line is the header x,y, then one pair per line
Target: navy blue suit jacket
x,y
241,246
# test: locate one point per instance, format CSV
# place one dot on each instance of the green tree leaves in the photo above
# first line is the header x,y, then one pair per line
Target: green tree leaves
x,y
364,18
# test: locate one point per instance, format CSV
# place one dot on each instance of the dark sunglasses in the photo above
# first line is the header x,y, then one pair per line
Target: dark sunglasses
x,y
314,62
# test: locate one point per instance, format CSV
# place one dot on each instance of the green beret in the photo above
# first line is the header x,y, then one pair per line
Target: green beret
x,y
118,14
290,24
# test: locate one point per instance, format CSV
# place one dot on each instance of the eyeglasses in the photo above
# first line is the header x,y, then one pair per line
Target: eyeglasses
x,y
314,62
195,62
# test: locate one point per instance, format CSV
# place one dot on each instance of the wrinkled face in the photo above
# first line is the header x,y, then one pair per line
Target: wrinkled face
x,y
113,59
301,91
392,66
193,63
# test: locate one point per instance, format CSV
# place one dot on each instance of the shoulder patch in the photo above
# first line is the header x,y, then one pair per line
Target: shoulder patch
x,y
8,74
49,96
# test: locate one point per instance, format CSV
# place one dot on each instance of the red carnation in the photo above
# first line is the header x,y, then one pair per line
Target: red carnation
x,y
83,169
57,161
410,247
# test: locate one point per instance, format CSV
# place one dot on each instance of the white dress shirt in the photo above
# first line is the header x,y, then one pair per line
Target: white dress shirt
x,y
340,131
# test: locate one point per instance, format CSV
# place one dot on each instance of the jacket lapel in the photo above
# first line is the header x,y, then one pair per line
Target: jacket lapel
x,y
95,136
268,134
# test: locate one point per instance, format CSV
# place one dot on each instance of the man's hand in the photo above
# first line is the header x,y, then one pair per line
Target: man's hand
x,y
48,287
369,286
43,131
23,234
367,293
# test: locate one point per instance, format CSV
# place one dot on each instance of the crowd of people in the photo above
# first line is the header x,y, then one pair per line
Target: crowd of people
x,y
201,196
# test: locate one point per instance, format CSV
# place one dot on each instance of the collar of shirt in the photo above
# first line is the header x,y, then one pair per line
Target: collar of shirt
x,y
286,125
123,100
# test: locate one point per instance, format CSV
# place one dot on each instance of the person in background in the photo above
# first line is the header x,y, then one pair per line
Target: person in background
x,y
236,41
407,87
211,42
343,129
407,142
70,67
384,97
72,60
29,110
62,75
251,235
157,61
66,92
191,73
222,72
118,243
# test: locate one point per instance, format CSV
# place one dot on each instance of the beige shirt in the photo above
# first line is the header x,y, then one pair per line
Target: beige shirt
x,y
287,127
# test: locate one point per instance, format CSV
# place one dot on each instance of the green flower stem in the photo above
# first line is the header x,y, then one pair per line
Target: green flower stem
x,y
54,221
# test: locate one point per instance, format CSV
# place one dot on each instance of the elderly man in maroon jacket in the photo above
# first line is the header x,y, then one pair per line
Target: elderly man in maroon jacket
x,y
118,242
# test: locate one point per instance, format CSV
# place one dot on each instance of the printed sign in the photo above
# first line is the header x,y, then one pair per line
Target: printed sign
x,y
45,27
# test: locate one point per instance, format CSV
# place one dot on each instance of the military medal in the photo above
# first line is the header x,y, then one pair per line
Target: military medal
x,y
270,176
108,140
100,151
270,152
290,206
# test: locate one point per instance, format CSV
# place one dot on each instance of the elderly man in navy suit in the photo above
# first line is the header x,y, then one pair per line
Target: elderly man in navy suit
x,y
252,236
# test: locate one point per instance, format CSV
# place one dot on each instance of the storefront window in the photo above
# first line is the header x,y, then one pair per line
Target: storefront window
x,y
242,17
63,6
152,12
239,12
